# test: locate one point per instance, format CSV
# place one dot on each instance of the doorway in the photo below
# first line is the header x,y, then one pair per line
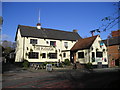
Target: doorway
x,y
73,56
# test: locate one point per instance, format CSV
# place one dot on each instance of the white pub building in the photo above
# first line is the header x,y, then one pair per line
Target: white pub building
x,y
37,44
90,50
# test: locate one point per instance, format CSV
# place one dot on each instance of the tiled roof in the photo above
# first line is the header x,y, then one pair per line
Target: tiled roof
x,y
83,43
112,41
28,31
115,33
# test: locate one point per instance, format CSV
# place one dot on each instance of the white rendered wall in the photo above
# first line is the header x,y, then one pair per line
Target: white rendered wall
x,y
19,48
24,44
88,53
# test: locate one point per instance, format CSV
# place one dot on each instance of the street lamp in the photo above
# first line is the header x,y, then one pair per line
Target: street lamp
x,y
108,50
1,22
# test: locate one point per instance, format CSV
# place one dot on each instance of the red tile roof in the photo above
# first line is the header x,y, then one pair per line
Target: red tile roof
x,y
83,43
115,33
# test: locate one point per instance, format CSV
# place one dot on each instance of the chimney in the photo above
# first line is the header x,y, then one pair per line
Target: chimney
x,y
92,34
74,30
38,26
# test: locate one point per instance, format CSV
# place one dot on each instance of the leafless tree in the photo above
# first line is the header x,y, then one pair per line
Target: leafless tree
x,y
109,22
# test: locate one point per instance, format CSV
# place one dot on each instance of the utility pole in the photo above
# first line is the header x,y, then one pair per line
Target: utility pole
x,y
1,22
108,50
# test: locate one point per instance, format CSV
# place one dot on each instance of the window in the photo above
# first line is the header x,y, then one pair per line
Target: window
x,y
52,43
64,54
33,41
53,55
93,54
80,54
105,59
43,55
99,54
66,44
33,55
27,48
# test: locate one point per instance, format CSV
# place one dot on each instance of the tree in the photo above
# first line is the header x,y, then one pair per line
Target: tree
x,y
8,47
7,50
13,45
109,22
6,43
2,50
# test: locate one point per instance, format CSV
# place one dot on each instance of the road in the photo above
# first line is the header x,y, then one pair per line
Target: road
x,y
37,79
63,78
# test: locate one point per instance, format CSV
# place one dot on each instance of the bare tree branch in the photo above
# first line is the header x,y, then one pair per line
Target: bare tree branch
x,y
111,23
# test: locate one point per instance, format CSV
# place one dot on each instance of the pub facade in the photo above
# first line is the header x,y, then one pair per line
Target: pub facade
x,y
37,44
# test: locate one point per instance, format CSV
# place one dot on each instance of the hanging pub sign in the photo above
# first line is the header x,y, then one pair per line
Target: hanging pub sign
x,y
101,44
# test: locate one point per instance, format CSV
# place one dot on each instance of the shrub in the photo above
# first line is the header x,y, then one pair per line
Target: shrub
x,y
25,64
89,65
67,62
61,65
44,63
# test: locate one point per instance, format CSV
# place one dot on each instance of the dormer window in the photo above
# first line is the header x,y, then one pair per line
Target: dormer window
x,y
33,41
53,43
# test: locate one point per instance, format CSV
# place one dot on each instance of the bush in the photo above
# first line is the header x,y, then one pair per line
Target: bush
x,y
61,65
89,65
93,59
25,63
67,62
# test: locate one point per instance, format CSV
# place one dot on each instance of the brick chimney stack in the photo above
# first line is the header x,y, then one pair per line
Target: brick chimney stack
x,y
38,26
74,30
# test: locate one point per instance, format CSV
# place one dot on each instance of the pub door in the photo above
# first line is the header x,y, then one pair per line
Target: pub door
x,y
73,57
